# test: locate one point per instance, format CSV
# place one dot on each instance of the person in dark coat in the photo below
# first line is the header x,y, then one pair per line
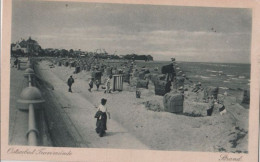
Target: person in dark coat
x,y
170,71
70,82
16,62
168,86
101,115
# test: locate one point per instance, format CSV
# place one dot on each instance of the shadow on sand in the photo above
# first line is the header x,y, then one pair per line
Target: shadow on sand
x,y
113,133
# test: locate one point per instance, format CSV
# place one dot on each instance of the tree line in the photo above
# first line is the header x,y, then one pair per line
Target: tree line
x,y
32,48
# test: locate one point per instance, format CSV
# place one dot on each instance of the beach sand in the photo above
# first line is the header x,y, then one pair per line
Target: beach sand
x,y
133,126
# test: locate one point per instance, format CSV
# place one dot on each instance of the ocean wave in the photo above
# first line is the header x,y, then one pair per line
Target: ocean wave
x,y
230,75
224,65
226,81
204,77
241,77
201,76
223,87
213,71
227,66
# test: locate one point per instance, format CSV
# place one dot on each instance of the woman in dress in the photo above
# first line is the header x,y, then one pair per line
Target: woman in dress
x,y
101,116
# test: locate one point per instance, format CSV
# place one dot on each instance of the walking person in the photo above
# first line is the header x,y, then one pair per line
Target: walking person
x,y
70,82
101,115
91,82
97,83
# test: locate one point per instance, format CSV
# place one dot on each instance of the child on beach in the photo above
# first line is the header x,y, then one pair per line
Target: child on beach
x,y
101,115
108,89
91,82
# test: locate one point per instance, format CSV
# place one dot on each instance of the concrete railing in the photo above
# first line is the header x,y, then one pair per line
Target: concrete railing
x,y
31,95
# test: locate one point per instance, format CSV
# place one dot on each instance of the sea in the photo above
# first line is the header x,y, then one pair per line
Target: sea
x,y
226,76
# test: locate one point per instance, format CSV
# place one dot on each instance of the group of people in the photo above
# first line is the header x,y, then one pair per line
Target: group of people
x,y
97,83
91,84
102,112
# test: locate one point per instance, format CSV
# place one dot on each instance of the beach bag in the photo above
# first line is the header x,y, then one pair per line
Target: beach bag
x,y
98,114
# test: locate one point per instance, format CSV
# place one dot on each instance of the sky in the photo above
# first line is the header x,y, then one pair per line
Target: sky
x,y
197,34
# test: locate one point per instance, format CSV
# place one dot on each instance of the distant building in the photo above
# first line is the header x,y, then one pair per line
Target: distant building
x,y
28,46
22,46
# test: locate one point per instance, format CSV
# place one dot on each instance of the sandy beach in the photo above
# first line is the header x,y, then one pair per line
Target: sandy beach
x,y
134,126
